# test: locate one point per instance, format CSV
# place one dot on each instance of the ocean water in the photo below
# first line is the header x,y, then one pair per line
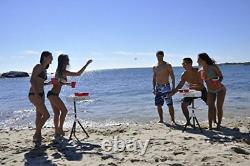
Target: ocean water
x,y
118,96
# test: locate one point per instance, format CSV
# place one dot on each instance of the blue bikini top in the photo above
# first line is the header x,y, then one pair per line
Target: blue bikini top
x,y
210,73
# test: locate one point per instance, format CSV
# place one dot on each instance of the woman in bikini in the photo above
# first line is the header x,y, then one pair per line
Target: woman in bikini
x,y
59,108
36,93
213,77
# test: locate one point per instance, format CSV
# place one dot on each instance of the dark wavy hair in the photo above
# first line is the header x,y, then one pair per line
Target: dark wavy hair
x,y
62,65
44,55
188,60
206,58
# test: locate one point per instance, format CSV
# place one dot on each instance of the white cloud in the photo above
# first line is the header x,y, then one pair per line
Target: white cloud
x,y
38,53
96,53
31,52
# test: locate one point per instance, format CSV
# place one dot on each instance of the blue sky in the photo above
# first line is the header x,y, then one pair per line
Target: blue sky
x,y
122,33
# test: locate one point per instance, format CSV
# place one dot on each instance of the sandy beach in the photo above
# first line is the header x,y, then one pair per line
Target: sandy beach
x,y
166,146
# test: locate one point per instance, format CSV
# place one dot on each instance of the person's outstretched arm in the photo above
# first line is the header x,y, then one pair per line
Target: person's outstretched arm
x,y
69,73
181,83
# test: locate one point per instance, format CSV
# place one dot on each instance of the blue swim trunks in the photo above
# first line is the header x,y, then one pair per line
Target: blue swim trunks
x,y
162,94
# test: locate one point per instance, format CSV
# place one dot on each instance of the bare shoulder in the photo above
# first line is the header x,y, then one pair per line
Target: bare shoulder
x,y
37,67
216,66
154,68
184,74
168,66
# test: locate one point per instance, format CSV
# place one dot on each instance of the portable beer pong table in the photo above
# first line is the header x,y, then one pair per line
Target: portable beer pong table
x,y
75,99
194,95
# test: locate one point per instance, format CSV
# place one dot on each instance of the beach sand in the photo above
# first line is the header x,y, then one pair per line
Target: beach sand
x,y
167,146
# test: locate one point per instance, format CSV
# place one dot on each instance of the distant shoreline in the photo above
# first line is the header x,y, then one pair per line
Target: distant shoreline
x,y
226,63
235,63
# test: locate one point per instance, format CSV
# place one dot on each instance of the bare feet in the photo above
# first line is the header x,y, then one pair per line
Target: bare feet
x,y
61,132
161,122
57,133
218,126
173,123
37,137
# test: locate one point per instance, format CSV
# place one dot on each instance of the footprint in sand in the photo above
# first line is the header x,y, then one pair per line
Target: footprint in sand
x,y
189,138
206,158
178,153
112,164
176,164
240,150
247,141
105,157
157,143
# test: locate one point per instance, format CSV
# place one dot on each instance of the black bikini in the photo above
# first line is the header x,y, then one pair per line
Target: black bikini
x,y
42,75
41,94
51,93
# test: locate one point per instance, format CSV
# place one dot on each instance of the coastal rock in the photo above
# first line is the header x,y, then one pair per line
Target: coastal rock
x,y
14,74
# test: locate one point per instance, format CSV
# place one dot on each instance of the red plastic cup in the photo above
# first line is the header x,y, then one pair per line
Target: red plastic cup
x,y
73,84
54,81
81,94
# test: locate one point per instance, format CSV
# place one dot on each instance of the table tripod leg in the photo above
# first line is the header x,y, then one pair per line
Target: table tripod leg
x,y
194,122
198,123
75,133
193,114
72,130
83,129
186,124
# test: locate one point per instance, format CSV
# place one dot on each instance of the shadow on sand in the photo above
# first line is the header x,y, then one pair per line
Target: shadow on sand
x,y
61,148
223,135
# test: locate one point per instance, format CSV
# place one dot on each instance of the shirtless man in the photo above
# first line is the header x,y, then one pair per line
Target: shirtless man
x,y
161,85
192,77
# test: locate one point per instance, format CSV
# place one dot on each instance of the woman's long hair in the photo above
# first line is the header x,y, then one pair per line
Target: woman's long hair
x,y
206,58
44,55
62,65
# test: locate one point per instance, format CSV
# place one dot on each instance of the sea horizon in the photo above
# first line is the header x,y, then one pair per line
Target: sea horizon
x,y
220,64
119,95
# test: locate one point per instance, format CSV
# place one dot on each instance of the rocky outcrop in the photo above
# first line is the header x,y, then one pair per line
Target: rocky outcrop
x,y
14,74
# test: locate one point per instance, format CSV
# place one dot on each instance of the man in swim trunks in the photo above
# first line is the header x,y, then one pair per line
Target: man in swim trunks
x,y
161,85
192,77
